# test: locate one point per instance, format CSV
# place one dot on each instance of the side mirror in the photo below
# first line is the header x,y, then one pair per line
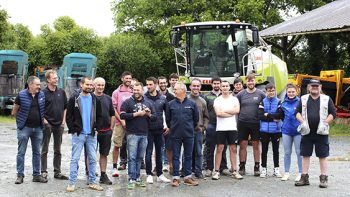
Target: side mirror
x,y
255,35
175,39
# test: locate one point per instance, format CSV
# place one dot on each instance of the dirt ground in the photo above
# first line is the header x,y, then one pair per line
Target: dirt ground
x,y
339,182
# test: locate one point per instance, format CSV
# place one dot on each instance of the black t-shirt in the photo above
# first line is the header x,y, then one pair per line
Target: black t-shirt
x,y
313,112
33,119
55,104
107,111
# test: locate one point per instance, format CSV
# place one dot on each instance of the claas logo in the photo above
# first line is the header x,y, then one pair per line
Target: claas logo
x,y
206,81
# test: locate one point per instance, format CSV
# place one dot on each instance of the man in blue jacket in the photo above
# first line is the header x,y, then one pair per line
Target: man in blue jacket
x,y
182,117
138,114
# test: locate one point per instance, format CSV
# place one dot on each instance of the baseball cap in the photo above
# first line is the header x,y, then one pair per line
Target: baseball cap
x,y
314,82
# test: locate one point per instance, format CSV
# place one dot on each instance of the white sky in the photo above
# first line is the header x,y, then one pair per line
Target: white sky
x,y
93,14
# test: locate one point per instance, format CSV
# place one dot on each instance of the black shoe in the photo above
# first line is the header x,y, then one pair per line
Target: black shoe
x,y
105,180
304,180
60,176
199,176
39,179
256,171
241,170
323,181
19,180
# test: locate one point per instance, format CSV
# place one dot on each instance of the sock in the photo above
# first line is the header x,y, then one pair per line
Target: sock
x,y
257,164
242,163
115,165
103,173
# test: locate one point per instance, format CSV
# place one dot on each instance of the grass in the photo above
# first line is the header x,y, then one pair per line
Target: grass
x,y
340,127
7,119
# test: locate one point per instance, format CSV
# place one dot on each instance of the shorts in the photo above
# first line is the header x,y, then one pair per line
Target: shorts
x,y
104,142
231,137
248,129
321,143
118,135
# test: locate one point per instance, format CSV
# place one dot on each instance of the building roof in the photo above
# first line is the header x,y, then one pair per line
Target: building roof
x,y
330,18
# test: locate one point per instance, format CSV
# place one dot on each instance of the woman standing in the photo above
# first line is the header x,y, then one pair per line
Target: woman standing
x,y
290,135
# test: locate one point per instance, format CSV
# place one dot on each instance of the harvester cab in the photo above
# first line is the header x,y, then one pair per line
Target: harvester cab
x,y
227,49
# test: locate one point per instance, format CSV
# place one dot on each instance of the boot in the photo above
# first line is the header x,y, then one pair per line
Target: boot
x,y
323,181
304,180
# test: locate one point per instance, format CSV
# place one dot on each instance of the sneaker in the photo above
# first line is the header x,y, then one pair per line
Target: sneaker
x,y
256,171
285,176
70,188
59,176
176,183
149,179
141,183
96,187
166,168
236,175
19,180
226,172
190,182
241,170
304,180
323,181
207,173
44,175
105,180
39,179
131,185
122,167
199,176
216,175
276,172
298,177
263,173
115,173
163,179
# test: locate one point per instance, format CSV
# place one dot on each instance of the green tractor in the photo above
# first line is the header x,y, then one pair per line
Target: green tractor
x,y
227,49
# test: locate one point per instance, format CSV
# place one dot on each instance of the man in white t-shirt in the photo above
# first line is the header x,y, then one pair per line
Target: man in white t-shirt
x,y
226,108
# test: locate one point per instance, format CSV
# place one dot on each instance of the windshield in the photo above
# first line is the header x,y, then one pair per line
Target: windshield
x,y
212,52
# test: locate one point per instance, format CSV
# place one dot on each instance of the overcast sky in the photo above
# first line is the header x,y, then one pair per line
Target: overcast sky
x,y
94,14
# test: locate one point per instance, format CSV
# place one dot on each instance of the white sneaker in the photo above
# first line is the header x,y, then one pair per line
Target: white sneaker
x,y
285,176
149,179
276,172
115,173
263,173
216,175
226,172
298,177
163,179
236,175
207,173
166,168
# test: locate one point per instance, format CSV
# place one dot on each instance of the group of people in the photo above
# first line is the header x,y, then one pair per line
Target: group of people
x,y
175,124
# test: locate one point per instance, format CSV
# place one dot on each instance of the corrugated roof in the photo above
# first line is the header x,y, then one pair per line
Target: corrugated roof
x,y
333,17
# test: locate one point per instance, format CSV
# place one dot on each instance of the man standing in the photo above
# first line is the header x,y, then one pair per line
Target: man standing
x,y
226,108
201,125
123,92
249,123
29,110
315,112
105,126
55,118
155,134
138,114
182,117
173,79
83,112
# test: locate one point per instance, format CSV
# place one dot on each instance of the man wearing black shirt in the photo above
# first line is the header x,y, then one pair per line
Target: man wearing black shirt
x,y
55,116
315,112
29,111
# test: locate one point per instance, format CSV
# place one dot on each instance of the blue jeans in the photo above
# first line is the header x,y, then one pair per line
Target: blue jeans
x,y
288,144
78,143
158,140
136,145
36,137
198,153
188,149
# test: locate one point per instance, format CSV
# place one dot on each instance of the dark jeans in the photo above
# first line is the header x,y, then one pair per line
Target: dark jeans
x,y
188,148
57,132
123,153
210,143
197,159
265,140
156,138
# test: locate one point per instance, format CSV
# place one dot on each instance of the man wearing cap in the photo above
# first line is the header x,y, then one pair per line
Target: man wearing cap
x,y
315,112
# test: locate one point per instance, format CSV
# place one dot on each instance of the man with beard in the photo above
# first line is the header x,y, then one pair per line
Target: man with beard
x,y
315,112
123,92
55,118
83,112
29,110
138,114
105,126
249,123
